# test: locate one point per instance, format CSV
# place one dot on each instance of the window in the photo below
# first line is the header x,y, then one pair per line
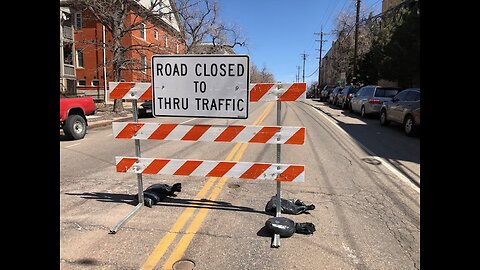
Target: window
x,y
401,96
170,17
413,96
80,58
143,31
82,82
143,63
166,40
95,82
155,34
360,92
386,92
367,92
177,48
68,54
78,21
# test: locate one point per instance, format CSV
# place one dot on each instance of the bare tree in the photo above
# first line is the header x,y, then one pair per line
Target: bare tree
x,y
202,23
113,15
260,76
342,56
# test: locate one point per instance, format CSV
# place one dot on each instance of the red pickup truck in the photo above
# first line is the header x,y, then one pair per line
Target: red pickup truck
x,y
73,112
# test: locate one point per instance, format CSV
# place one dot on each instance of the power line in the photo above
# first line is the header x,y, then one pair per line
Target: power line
x,y
312,73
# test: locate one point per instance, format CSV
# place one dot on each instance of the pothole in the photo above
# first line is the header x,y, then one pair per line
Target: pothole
x,y
183,265
233,185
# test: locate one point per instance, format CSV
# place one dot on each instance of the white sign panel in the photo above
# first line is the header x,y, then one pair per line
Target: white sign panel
x,y
210,86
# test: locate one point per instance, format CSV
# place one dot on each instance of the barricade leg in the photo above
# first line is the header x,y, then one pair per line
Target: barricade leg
x,y
138,153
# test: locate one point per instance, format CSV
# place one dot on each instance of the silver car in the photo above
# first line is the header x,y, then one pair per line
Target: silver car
x,y
369,99
404,109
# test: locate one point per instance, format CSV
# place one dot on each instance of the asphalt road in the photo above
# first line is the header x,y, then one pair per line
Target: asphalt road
x,y
360,176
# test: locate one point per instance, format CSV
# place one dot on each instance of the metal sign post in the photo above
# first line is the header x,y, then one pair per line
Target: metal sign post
x,y
117,227
276,237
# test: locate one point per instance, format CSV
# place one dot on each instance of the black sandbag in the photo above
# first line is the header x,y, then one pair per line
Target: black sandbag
x,y
166,189
304,228
158,192
150,197
293,206
283,226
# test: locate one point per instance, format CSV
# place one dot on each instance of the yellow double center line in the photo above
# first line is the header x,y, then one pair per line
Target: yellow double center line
x,y
182,245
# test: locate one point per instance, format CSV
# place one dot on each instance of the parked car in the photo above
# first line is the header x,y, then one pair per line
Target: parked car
x,y
404,108
332,98
343,100
369,99
145,109
73,112
327,89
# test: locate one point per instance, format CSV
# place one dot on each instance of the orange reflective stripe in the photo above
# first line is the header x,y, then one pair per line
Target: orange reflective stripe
x,y
162,131
298,137
229,134
195,132
129,130
147,95
264,135
221,169
156,166
259,90
121,90
290,173
292,93
125,164
188,167
255,171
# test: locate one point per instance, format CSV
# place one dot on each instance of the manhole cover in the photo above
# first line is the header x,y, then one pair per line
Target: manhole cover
x,y
183,265
232,185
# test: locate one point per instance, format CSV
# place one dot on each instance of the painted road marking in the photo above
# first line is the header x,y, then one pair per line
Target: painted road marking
x,y
72,145
188,120
167,240
384,162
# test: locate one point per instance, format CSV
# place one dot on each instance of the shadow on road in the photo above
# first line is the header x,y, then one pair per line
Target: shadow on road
x,y
207,204
383,141
107,197
64,138
171,202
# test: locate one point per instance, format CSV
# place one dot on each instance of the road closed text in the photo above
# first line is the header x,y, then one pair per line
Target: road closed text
x,y
202,104
201,86
214,69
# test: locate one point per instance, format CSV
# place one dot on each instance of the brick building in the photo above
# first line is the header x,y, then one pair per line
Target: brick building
x,y
163,35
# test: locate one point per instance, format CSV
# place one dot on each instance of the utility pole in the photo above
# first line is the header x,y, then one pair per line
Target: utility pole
x,y
304,56
355,43
317,93
298,73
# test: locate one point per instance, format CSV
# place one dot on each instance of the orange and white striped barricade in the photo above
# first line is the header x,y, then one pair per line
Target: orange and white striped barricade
x,y
211,168
260,92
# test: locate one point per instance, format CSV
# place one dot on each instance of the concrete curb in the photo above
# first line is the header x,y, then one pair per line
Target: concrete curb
x,y
102,123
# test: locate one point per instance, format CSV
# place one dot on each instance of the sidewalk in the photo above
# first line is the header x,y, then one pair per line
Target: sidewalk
x,y
105,116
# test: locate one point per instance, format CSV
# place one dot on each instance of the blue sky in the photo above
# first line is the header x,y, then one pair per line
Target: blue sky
x,y
279,31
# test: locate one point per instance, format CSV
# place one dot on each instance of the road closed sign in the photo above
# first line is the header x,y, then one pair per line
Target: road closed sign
x,y
209,86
